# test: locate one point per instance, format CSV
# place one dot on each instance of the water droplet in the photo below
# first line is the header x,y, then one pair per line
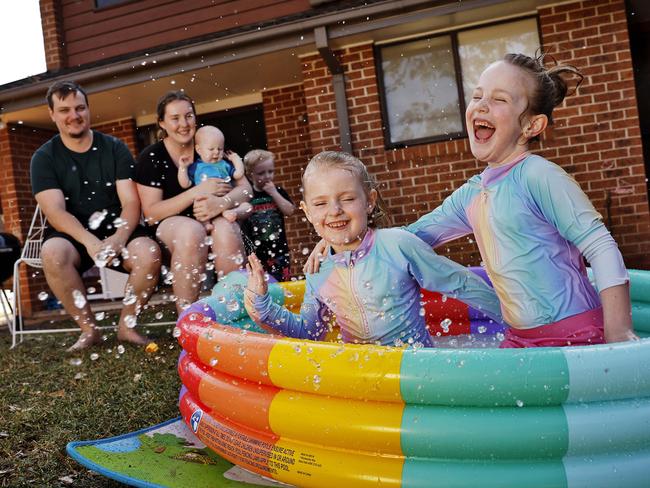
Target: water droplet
x,y
42,296
519,403
96,219
129,296
94,356
75,361
213,362
159,315
100,315
232,305
177,332
445,325
120,349
79,299
130,321
119,222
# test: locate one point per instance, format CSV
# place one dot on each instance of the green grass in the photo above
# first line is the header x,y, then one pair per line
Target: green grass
x,y
48,400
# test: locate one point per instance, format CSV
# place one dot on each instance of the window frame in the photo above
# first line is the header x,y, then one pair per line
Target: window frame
x,y
118,3
453,34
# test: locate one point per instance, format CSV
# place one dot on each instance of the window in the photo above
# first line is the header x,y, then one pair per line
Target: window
x,y
99,4
425,84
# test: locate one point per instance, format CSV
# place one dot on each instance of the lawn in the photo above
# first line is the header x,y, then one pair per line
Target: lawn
x,y
49,398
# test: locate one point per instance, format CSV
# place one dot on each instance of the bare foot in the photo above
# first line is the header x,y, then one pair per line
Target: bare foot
x,y
230,215
124,334
86,339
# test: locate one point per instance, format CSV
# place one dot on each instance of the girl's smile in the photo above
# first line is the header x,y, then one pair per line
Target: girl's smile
x,y
497,130
338,207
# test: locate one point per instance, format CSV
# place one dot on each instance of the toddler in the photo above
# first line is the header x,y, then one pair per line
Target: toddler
x,y
264,227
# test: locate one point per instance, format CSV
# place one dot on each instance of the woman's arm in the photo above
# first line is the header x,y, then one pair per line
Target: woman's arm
x,y
208,206
156,209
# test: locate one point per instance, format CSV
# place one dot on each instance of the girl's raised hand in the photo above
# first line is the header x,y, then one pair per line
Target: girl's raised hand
x,y
256,282
318,253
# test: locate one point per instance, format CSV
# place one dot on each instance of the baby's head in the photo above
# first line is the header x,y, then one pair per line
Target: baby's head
x,y
260,167
209,142
340,199
513,104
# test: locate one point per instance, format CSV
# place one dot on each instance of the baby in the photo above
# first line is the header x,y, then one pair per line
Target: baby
x,y
209,144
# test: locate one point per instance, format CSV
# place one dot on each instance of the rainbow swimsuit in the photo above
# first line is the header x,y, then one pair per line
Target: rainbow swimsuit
x,y
532,224
374,292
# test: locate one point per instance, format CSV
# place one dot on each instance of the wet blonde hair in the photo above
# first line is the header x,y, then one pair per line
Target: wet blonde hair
x,y
255,157
341,160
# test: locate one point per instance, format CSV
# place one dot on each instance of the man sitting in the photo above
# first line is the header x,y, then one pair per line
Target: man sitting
x,y
82,179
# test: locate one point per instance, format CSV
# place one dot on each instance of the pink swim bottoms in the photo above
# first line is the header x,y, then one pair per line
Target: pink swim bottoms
x,y
583,329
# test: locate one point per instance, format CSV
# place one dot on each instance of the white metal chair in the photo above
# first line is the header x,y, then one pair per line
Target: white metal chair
x,y
31,256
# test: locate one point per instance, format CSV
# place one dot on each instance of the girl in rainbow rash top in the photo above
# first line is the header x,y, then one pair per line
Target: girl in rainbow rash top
x,y
531,220
371,279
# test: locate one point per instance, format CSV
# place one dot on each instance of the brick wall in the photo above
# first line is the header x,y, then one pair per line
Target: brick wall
x,y
285,119
122,129
17,144
53,39
413,180
596,136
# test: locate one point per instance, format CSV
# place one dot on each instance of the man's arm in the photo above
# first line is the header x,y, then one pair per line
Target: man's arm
x,y
52,203
129,217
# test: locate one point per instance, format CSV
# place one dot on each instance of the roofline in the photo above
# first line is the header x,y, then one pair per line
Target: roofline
x,y
212,52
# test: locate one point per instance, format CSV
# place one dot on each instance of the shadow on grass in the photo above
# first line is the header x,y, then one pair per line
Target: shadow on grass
x,y
49,398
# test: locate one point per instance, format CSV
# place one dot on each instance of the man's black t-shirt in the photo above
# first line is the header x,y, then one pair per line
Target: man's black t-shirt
x,y
88,179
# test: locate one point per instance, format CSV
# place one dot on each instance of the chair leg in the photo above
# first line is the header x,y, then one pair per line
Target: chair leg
x,y
17,309
4,299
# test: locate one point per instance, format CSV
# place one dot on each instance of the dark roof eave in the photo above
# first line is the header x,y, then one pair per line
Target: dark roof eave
x,y
250,40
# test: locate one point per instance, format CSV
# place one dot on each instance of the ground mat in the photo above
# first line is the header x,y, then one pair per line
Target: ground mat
x,y
165,455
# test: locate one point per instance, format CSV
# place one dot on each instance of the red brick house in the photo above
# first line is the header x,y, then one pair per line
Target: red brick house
x,y
386,80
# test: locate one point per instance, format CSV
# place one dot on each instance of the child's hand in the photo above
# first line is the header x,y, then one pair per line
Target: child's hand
x,y
185,162
256,282
313,261
270,188
233,157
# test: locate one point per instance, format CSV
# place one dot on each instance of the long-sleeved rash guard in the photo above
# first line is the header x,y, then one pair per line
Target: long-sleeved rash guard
x,y
532,222
374,292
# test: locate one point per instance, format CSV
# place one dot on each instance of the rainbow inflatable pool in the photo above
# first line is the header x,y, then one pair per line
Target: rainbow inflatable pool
x,y
327,414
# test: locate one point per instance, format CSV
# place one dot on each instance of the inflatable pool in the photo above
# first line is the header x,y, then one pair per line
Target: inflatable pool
x,y
326,414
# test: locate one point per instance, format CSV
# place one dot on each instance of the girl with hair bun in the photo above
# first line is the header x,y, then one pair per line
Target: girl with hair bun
x,y
532,222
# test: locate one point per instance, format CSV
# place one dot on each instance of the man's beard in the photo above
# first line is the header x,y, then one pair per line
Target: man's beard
x,y
78,135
